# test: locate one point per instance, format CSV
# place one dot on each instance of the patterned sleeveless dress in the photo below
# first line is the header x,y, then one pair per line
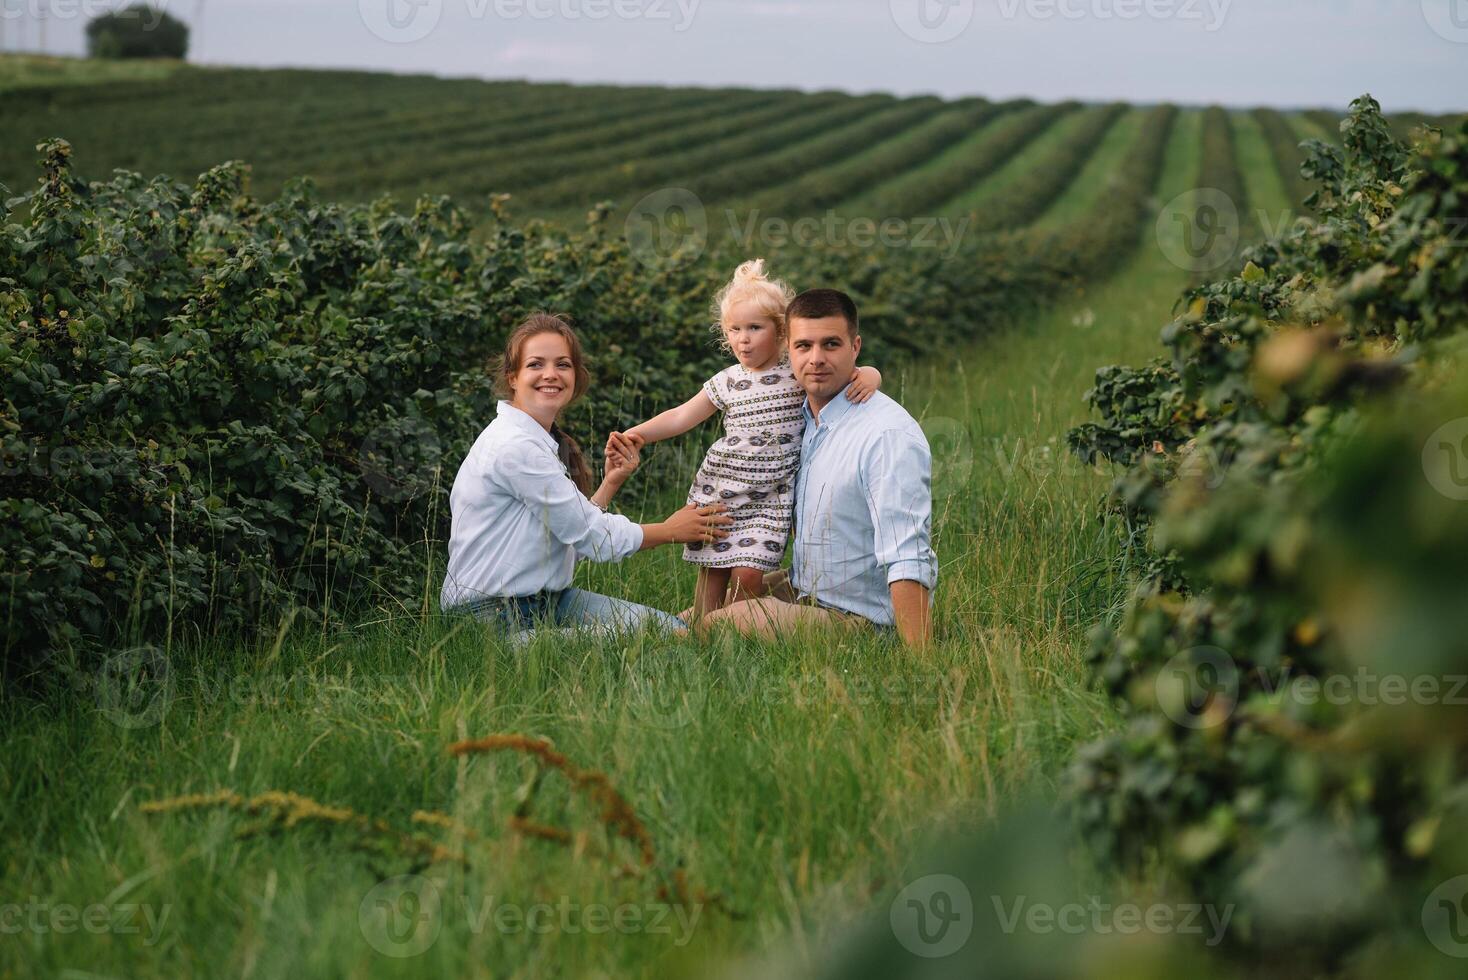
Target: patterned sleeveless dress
x,y
752,468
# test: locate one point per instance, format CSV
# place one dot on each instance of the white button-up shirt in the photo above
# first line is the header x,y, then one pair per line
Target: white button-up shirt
x,y
518,521
863,507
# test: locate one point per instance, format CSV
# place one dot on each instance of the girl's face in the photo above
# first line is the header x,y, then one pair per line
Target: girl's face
x,y
751,332
546,381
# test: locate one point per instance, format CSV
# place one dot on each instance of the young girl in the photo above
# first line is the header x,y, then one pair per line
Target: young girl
x,y
752,468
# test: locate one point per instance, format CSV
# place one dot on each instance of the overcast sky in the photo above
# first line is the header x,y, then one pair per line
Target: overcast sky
x,y
1410,54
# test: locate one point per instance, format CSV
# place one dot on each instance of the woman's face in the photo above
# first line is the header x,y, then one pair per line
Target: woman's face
x,y
546,381
752,334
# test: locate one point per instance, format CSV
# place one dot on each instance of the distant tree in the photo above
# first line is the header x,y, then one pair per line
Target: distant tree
x,y
139,31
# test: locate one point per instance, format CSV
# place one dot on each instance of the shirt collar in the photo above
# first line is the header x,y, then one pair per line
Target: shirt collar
x,y
525,422
836,409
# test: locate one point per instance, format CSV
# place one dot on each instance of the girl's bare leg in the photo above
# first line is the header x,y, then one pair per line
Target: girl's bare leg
x,y
708,595
746,583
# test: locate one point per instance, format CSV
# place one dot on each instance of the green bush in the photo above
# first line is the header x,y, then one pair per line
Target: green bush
x,y
138,31
217,407
1303,549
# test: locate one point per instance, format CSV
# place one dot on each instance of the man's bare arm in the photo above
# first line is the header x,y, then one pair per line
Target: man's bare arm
x,y
910,610
777,584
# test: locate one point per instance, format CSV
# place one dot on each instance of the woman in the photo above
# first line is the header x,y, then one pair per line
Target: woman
x,y
521,502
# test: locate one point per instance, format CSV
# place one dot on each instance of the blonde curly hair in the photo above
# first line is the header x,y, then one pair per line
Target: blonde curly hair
x,y
752,282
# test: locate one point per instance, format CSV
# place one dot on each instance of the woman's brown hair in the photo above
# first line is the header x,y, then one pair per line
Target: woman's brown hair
x,y
507,366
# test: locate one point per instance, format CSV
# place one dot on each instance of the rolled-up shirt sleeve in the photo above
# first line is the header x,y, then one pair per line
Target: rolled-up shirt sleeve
x,y
897,481
538,479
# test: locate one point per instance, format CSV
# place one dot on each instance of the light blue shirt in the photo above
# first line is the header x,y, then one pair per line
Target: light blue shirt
x,y
518,520
863,507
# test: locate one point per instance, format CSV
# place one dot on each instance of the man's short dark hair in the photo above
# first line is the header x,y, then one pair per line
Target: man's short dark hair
x,y
817,304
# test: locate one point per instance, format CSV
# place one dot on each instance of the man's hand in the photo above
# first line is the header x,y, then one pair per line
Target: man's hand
x,y
911,613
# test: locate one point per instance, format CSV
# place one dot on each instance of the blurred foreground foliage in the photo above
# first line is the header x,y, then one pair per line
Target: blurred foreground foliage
x,y
1293,667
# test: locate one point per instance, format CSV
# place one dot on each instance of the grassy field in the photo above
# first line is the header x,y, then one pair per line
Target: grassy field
x,y
36,71
1270,207
780,788
790,779
558,148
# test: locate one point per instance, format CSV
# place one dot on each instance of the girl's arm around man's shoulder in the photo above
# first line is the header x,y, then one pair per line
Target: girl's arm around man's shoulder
x,y
864,384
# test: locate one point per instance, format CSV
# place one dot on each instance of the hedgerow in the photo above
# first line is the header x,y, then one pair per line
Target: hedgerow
x,y
1284,145
810,113
216,407
923,193
816,148
1304,537
1219,172
1026,198
831,185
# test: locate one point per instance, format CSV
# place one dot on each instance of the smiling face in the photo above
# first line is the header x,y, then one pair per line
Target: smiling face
x,y
546,380
823,355
752,334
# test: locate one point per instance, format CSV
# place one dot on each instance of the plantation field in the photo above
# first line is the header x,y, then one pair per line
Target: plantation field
x,y
30,71
559,149
230,696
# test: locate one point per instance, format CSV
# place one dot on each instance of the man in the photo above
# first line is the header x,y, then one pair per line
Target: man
x,y
863,551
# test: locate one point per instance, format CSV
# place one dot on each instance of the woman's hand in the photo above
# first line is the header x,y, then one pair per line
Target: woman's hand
x,y
706,523
864,381
623,458
619,440
622,461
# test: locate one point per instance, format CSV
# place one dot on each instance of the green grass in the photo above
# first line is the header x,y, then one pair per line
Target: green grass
x,y
1271,212
792,777
1310,129
25,71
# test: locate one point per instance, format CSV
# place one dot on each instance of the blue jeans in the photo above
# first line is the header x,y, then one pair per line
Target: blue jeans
x,y
567,611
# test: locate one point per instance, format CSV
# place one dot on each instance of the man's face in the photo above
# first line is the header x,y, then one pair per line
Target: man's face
x,y
823,356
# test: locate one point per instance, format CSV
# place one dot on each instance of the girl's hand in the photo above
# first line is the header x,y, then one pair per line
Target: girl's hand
x,y
863,382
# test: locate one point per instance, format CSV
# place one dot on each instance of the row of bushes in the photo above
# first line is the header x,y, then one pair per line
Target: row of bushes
x,y
472,150
809,113
217,407
927,191
1298,465
828,186
1027,197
